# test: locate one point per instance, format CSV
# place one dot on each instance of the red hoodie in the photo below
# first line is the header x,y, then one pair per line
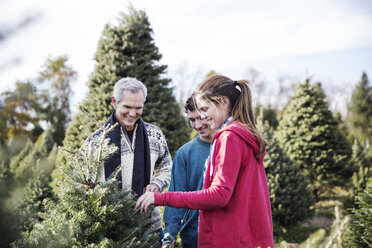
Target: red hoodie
x,y
234,202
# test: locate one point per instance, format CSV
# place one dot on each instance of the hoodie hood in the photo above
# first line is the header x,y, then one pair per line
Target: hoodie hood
x,y
244,134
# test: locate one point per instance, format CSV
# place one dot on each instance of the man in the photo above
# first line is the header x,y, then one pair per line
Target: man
x,y
187,175
143,152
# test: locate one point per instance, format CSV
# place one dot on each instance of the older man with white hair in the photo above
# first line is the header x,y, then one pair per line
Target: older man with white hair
x,y
143,152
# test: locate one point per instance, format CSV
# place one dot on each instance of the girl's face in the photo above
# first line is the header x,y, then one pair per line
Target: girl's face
x,y
214,114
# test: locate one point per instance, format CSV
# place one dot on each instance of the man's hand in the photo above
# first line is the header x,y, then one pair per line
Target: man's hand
x,y
168,245
145,201
152,187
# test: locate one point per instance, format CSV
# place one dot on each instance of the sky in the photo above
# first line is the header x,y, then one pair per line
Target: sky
x,y
327,40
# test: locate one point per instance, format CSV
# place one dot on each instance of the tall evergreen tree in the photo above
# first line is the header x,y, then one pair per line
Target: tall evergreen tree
x,y
360,110
128,50
309,135
92,211
291,198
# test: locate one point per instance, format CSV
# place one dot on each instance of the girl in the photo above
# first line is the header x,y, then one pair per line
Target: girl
x,y
234,202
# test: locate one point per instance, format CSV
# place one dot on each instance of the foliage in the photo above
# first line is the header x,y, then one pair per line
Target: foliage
x,y
310,136
360,110
294,234
91,212
16,160
56,78
128,50
36,193
269,115
8,231
37,159
29,105
21,109
359,230
291,199
360,176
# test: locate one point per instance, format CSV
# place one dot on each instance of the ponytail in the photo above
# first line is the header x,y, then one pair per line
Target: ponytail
x,y
240,97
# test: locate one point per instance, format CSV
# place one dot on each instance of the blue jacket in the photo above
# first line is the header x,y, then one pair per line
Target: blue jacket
x,y
187,175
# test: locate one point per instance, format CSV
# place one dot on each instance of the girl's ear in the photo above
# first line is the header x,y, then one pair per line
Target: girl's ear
x,y
225,102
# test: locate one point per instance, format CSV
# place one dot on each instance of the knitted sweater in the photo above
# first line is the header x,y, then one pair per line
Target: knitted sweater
x,y
161,163
234,202
187,175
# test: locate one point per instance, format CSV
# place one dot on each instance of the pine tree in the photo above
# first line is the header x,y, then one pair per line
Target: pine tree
x,y
36,192
360,110
291,198
359,229
269,114
35,159
309,135
363,171
91,212
128,50
16,160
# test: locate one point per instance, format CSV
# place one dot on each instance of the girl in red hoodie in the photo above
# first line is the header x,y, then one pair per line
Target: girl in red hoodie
x,y
234,203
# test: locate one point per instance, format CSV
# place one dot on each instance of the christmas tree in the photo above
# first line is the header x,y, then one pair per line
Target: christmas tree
x,y
128,50
359,229
91,211
291,199
309,135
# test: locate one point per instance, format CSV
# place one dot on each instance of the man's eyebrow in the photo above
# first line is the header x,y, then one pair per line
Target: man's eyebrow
x,y
128,106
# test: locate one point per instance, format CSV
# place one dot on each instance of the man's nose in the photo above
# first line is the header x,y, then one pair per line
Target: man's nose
x,y
198,124
132,112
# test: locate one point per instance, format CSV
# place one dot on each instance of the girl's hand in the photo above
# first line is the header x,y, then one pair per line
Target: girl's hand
x,y
145,201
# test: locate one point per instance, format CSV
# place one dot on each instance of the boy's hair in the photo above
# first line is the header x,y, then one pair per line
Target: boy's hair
x,y
190,104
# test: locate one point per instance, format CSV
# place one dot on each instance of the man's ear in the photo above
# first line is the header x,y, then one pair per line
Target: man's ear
x,y
113,101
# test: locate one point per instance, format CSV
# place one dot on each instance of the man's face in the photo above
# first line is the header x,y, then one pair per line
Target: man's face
x,y
129,109
201,126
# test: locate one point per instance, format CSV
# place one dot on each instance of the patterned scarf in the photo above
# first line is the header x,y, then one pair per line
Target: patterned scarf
x,y
141,166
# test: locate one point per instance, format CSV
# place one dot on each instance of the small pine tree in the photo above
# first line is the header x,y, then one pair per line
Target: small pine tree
x,y
91,212
291,199
36,192
359,229
269,115
128,50
16,160
28,165
360,177
310,136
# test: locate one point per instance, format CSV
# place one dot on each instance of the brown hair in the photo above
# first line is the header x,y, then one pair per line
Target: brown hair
x,y
239,94
190,105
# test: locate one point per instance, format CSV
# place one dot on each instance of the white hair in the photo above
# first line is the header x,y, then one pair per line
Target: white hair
x,y
128,83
